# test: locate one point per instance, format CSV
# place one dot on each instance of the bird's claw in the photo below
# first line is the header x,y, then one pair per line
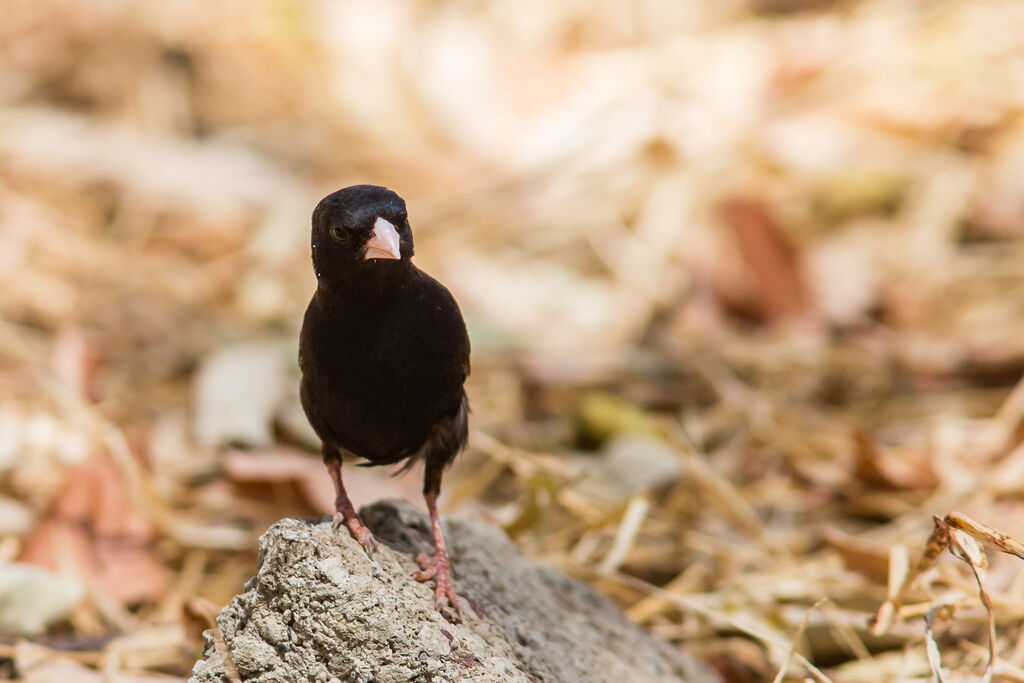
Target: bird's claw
x,y
362,534
438,568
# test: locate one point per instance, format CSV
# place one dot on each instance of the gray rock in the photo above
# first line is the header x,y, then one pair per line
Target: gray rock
x,y
633,463
627,465
638,462
320,610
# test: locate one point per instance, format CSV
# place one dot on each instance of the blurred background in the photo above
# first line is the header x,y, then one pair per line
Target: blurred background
x,y
744,279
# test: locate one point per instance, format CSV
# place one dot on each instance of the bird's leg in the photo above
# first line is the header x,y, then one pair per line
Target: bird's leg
x,y
438,567
345,513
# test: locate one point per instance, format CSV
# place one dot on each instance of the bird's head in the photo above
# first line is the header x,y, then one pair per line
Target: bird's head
x,y
357,227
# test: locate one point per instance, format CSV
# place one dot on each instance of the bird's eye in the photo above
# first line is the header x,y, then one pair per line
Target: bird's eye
x,y
340,234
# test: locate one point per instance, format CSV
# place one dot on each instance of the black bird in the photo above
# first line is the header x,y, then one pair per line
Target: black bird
x,y
384,354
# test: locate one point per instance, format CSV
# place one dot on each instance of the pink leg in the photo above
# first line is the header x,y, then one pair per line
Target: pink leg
x,y
438,567
346,514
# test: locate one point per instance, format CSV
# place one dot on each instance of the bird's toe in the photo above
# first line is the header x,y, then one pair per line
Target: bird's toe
x,y
438,568
423,561
359,530
445,598
425,575
366,539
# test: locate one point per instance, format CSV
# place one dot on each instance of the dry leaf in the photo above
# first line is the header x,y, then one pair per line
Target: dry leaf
x,y
876,470
871,560
777,284
94,532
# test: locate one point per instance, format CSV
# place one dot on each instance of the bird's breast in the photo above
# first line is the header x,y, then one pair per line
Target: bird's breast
x,y
380,376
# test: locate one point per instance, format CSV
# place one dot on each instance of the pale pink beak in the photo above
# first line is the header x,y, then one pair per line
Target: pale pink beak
x,y
384,242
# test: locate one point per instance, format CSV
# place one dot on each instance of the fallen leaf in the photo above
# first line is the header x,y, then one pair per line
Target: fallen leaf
x,y
891,473
93,531
31,597
870,560
237,391
778,290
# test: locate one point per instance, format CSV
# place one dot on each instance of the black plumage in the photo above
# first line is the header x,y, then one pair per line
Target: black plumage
x,y
384,354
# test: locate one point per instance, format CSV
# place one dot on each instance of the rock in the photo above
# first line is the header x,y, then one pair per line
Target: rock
x,y
320,610
627,465
31,597
632,463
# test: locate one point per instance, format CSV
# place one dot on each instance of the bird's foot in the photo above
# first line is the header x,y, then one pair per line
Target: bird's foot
x,y
438,568
358,529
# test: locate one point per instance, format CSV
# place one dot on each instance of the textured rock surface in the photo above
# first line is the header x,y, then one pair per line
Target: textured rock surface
x,y
320,610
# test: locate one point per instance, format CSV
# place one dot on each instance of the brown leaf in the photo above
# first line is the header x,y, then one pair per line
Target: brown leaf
x,y
778,289
93,531
875,469
870,560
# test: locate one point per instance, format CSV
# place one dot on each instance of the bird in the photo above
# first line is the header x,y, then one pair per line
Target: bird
x,y
384,356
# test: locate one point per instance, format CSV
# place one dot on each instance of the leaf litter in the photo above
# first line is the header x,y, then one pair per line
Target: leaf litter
x,y
777,241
